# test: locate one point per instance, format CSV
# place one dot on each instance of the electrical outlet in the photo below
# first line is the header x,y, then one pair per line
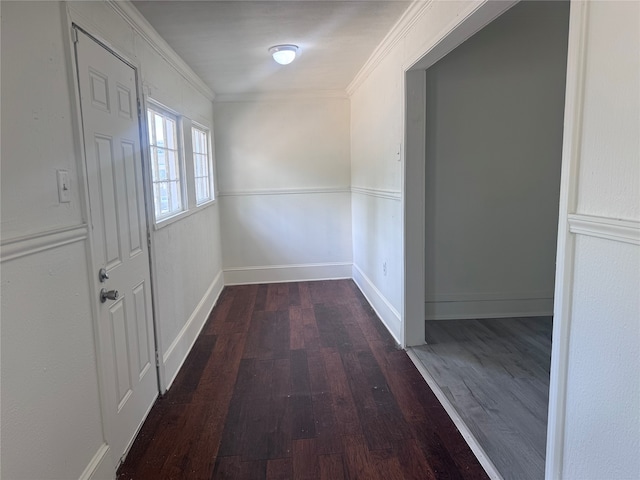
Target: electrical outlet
x,y
384,268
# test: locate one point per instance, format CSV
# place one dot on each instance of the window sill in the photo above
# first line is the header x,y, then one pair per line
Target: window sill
x,y
206,203
182,215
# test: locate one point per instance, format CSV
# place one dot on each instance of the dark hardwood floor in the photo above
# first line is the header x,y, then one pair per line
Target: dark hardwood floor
x,y
301,381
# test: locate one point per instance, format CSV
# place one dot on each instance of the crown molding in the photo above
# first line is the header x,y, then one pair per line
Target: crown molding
x,y
397,32
293,96
142,27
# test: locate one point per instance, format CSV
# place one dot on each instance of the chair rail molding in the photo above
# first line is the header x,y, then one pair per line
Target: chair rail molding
x,y
284,191
378,192
13,248
626,231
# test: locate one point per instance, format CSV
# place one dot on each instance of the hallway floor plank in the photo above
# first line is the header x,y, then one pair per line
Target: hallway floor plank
x,y
298,380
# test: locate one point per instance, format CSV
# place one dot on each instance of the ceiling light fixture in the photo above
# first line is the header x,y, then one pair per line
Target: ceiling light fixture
x,y
284,54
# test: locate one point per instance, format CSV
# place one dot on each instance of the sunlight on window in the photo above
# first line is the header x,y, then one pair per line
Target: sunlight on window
x,y
202,165
165,163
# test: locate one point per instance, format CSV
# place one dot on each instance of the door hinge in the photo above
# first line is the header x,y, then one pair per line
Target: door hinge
x,y
148,239
139,108
157,359
74,35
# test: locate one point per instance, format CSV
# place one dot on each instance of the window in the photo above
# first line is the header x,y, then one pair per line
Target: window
x,y
165,163
202,165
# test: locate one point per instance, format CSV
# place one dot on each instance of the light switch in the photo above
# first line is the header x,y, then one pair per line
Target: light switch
x,y
64,187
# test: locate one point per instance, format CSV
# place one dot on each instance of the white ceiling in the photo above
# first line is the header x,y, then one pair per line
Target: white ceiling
x,y
226,42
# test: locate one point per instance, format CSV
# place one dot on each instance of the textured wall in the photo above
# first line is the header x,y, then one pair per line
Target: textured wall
x,y
284,178
602,426
50,398
51,425
377,153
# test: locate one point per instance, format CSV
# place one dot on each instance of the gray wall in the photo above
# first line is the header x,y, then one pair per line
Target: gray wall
x,y
494,142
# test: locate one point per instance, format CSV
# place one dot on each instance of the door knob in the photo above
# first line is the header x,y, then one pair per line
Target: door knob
x,y
108,295
103,275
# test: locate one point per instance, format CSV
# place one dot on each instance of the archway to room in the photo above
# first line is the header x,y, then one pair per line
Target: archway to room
x,y
483,156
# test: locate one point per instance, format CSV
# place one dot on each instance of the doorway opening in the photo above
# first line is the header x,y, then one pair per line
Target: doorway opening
x,y
487,151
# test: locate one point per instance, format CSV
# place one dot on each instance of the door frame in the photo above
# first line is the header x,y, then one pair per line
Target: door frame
x,y
413,188
413,199
75,22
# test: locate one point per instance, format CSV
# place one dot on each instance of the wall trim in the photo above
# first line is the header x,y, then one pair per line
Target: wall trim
x,y
468,436
93,469
286,273
626,231
174,357
294,96
397,33
284,191
143,28
470,21
571,145
510,308
378,192
13,248
487,296
386,312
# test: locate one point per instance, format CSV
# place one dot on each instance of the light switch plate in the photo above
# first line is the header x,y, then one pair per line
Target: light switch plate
x,y
64,187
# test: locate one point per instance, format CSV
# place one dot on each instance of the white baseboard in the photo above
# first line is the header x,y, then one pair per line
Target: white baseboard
x,y
387,313
475,447
493,308
177,352
99,468
286,273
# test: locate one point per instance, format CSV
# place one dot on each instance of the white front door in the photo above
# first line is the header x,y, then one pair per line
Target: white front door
x,y
126,349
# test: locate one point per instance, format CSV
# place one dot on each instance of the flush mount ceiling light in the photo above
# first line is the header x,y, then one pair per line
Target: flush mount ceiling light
x,y
284,54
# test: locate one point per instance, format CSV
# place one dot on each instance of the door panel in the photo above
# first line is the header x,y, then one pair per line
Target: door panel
x,y
118,225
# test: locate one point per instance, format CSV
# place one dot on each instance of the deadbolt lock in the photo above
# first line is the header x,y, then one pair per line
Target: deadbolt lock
x,y
103,275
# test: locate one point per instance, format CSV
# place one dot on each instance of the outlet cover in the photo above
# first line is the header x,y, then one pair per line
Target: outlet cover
x,y
64,187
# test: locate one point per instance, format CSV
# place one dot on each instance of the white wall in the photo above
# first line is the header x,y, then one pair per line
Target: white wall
x,y
377,135
600,341
595,384
51,418
283,166
51,424
494,143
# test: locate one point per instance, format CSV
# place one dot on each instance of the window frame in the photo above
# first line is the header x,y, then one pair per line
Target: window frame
x,y
166,113
195,126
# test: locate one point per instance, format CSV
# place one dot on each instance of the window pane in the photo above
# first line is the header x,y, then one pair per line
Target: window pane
x,y
175,197
198,164
165,163
164,198
201,164
171,134
159,129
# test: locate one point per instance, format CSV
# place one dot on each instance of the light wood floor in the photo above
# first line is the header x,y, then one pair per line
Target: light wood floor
x,y
495,373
